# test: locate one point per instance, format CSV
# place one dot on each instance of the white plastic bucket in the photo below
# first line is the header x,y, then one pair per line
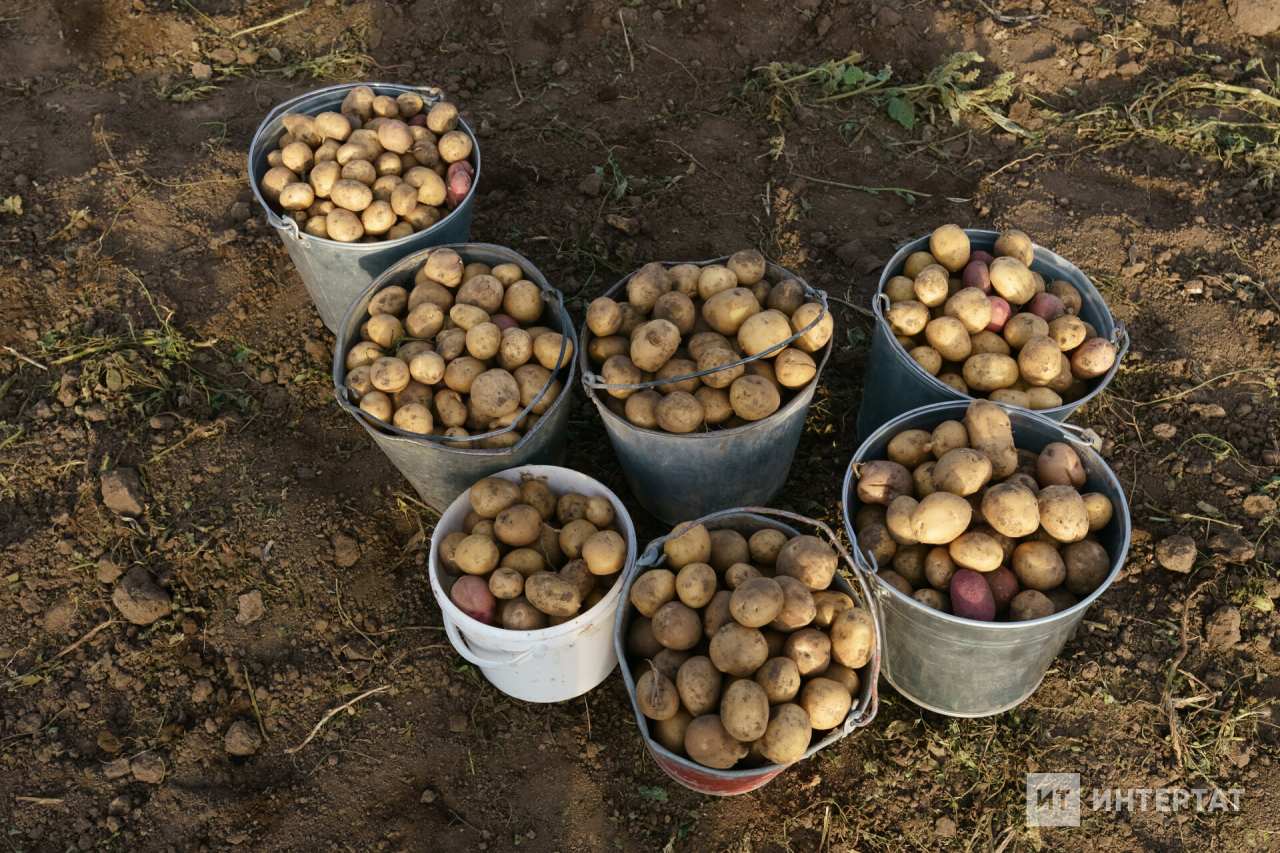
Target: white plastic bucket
x,y
551,664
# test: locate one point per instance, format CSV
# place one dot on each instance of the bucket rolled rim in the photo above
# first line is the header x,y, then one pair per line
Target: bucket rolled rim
x,y
865,710
1120,514
428,93
495,632
390,431
803,395
1119,336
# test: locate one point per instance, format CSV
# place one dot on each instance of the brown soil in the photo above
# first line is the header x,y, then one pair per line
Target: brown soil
x,y
175,338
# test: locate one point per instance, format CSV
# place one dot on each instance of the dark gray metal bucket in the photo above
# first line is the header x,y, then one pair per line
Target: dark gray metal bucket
x,y
437,468
708,780
896,384
336,273
679,477
960,667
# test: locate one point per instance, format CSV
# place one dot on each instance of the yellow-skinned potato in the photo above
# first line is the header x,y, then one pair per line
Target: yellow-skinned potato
x,y
988,342
910,447
932,285
809,560
601,350
900,289
679,412
794,368
696,584
1011,509
654,343
675,370
1038,566
1011,279
1040,360
653,589
950,246
684,279
916,262
748,265
948,337
699,683
714,357
460,373
976,551
954,380
744,710
991,433
948,436
817,337
657,696
928,358
1067,331
753,397
604,317
780,678
714,279
971,307
678,309
940,518
707,742
620,370
738,650
1016,244
908,317
646,286
553,351
898,520
765,545
1062,513
641,408
1099,509
677,626
727,310
786,296
826,702
990,371
764,331
853,637
691,546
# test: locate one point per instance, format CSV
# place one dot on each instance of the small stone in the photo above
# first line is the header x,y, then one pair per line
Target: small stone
x,y
122,492
1177,554
1233,546
243,738
1256,506
251,608
148,767
561,68
116,769
1164,432
591,185
44,411
428,796
306,474
1195,287
201,70
1222,629
457,723
944,827
985,27
108,571
625,224
139,599
592,750
345,550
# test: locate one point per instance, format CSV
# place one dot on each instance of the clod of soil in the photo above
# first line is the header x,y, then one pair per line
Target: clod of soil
x,y
1232,545
139,599
1177,553
1222,629
346,551
243,738
148,767
251,608
122,492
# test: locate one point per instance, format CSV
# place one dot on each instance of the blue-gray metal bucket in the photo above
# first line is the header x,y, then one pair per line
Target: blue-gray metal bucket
x,y
895,383
679,477
336,273
439,468
960,667
708,780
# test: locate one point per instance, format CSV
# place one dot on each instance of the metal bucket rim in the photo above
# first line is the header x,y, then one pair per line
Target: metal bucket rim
x,y
1077,609
551,632
441,442
866,709
281,224
782,412
1119,336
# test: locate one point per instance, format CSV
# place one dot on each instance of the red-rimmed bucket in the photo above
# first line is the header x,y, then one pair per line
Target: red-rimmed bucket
x,y
723,783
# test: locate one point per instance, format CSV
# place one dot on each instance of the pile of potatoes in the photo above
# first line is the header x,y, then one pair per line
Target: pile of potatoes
x,y
380,169
974,526
1023,344
684,319
458,355
510,568
740,649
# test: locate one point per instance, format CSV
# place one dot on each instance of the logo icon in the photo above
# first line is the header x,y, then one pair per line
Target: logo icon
x,y
1053,799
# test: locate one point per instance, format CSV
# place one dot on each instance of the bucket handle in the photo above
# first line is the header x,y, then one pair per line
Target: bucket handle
x,y
461,647
880,302
855,718
596,383
345,395
1088,438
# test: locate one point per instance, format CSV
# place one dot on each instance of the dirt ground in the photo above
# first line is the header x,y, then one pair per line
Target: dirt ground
x,y
152,322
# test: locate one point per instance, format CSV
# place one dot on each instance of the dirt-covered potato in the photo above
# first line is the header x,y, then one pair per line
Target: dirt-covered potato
x,y
987,372
519,615
976,551
809,560
827,605
875,541
654,343
1093,358
1016,244
492,495
696,584
640,640
949,245
991,433
756,602
940,517
1098,506
652,590
707,742
518,525
577,573
911,447
764,545
739,573
728,547
1028,605
605,552
798,608
476,555
678,412
853,637
691,546
1059,465
1011,509
1087,566
827,703
657,696
764,331
810,648
780,678
738,650
552,594
1062,513
753,397
883,482
907,318
1038,565
677,626
744,710
506,583
971,307
962,471
728,310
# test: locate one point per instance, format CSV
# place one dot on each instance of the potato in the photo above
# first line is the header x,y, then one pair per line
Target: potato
x,y
910,447
1015,244
727,548
909,562
676,308
1059,465
678,412
577,573
810,649
976,551
574,535
940,518
931,285
641,408
656,696
987,342
693,545
707,742
1011,279
699,684
1093,358
1062,513
875,541
518,526
907,318
640,640
853,637
753,397
1099,508
988,372
553,350
1046,306
652,590
827,605
780,678
744,710
696,584
714,279
948,337
450,409
714,357
798,608
971,307
738,650
990,433
757,602
739,573
827,703
971,597
389,374
1038,565
962,471
928,358
646,285
1029,605
605,552
506,583
653,344
1011,509
675,370
1087,566
950,246
552,594
933,599
939,568
882,482
604,318
728,310
764,331
955,381
764,545
1061,599
748,265
823,325
809,560
677,626
476,555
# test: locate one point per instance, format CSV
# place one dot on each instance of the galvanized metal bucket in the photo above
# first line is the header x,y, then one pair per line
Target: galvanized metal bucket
x,y
335,273
896,384
679,477
960,667
439,468
708,780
